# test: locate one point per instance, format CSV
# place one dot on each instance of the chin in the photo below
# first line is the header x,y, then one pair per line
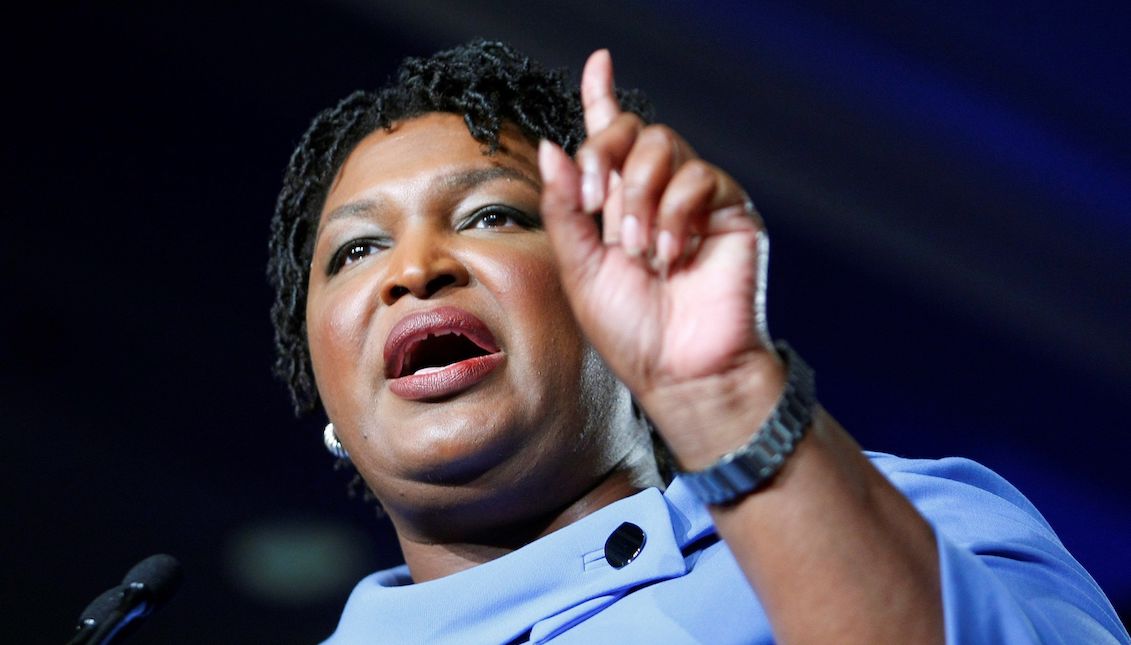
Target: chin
x,y
454,443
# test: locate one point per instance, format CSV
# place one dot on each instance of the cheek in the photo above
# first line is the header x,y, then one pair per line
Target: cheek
x,y
337,326
528,288
526,281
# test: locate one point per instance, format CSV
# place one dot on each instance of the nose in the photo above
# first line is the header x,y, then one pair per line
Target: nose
x,y
422,264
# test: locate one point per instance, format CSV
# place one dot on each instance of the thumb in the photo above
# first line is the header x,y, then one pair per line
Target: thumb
x,y
573,233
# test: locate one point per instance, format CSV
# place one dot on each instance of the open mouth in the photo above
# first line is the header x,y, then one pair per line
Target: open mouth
x,y
437,351
437,354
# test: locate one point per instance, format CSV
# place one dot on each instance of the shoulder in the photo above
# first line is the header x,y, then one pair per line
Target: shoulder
x,y
972,506
1006,576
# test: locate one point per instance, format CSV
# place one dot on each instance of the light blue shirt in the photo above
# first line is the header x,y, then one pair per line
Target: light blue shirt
x,y
1006,578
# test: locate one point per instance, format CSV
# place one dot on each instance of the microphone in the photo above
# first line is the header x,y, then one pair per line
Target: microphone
x,y
119,610
96,613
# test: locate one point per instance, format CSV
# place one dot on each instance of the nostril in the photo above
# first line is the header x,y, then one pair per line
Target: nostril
x,y
439,282
414,283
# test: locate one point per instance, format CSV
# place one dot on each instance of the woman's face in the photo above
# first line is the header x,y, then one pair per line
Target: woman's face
x,y
443,346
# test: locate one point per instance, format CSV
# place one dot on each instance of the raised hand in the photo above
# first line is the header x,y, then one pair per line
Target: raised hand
x,y
671,291
671,294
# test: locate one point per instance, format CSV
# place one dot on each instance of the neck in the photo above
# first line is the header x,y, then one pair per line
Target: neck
x,y
431,559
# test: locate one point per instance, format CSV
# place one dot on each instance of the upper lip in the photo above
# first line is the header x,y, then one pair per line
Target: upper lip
x,y
413,329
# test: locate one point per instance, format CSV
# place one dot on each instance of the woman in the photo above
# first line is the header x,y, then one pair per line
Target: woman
x,y
504,292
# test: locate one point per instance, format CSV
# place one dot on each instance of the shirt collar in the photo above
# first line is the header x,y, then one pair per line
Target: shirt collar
x,y
562,574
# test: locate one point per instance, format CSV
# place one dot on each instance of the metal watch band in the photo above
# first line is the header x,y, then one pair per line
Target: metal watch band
x,y
750,467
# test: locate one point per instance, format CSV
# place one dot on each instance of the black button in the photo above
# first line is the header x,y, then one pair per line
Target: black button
x,y
624,544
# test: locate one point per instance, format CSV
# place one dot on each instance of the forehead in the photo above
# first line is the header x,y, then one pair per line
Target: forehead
x,y
416,153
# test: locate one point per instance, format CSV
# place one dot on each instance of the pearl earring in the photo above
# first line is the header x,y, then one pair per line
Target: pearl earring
x,y
330,438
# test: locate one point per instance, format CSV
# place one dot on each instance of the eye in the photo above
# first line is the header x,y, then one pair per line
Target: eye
x,y
353,251
500,216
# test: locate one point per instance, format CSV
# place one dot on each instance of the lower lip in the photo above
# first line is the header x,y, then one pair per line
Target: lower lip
x,y
453,379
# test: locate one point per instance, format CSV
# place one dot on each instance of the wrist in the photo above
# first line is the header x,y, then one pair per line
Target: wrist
x,y
704,419
751,466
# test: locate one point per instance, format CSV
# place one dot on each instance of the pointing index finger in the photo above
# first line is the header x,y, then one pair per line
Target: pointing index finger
x,y
598,99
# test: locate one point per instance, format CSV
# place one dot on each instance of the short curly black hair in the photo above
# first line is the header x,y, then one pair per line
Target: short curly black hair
x,y
488,83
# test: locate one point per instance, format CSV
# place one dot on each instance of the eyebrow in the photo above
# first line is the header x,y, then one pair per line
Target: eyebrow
x,y
461,181
360,208
468,179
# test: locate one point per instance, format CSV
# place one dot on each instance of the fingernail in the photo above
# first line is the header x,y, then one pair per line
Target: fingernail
x,y
546,160
630,238
591,197
665,247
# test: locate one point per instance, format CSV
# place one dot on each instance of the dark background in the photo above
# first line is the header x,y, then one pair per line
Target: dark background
x,y
947,184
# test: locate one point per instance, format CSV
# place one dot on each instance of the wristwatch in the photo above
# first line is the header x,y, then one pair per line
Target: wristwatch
x,y
750,467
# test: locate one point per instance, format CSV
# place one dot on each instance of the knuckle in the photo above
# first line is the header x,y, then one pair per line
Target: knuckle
x,y
636,191
629,120
699,170
659,135
642,178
